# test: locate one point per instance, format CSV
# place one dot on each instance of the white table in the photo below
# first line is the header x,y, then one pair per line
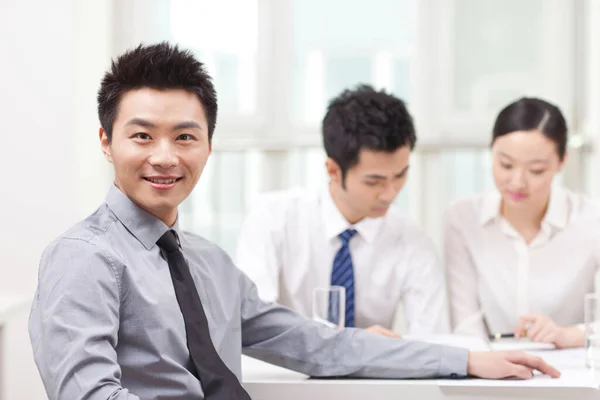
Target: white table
x,y
267,382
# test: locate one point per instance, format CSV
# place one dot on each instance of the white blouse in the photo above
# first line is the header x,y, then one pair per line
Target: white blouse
x,y
494,276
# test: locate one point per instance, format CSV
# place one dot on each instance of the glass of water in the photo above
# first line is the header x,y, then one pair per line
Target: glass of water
x,y
592,330
329,306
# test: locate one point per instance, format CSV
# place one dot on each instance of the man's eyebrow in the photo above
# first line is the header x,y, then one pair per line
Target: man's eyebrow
x,y
382,177
404,171
147,124
140,122
187,125
374,176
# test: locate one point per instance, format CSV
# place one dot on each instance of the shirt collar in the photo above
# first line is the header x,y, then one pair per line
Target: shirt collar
x,y
144,226
335,223
556,216
490,208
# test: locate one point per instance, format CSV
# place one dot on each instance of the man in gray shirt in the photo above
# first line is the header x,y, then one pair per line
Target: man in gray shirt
x,y
111,317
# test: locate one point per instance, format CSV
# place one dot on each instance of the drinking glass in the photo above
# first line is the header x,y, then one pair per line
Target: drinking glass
x,y
592,330
329,306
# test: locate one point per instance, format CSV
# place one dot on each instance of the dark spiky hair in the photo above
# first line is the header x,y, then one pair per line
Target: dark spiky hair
x,y
365,118
159,66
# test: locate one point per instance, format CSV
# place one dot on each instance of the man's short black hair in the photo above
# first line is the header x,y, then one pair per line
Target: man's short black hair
x,y
159,66
363,118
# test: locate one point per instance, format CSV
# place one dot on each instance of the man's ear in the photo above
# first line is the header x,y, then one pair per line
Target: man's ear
x,y
333,170
104,142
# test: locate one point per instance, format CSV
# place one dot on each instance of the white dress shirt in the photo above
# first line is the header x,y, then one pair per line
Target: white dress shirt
x,y
494,276
288,243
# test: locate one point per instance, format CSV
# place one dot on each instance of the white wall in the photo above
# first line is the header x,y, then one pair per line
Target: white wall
x,y
38,192
53,173
52,57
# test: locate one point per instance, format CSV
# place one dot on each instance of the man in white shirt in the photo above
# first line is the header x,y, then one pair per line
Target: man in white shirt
x,y
349,234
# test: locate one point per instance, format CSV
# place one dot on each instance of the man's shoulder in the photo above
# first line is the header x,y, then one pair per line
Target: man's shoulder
x,y
405,232
88,233
398,222
81,253
93,226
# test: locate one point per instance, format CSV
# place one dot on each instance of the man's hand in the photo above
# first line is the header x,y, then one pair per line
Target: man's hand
x,y
540,328
505,364
380,330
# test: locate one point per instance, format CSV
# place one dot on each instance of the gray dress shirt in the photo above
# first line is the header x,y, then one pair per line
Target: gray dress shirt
x,y
105,323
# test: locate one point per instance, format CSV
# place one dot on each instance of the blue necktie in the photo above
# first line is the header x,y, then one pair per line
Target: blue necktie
x,y
342,274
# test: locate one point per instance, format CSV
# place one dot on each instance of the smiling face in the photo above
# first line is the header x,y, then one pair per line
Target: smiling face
x,y
371,185
159,148
524,165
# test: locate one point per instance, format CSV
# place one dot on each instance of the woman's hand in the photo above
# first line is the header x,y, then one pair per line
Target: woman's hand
x,y
540,328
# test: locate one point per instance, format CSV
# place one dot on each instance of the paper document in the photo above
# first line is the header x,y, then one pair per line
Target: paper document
x,y
476,343
471,343
519,344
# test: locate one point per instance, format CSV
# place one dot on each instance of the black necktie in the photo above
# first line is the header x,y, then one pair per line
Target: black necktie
x,y
218,382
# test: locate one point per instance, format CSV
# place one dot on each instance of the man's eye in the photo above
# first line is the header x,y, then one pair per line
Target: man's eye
x,y
142,135
186,136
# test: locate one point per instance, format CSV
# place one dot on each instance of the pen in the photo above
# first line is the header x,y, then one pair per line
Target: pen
x,y
500,335
497,336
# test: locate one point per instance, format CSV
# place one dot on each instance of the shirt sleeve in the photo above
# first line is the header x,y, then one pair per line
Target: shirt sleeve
x,y
277,335
259,247
465,310
424,294
74,322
